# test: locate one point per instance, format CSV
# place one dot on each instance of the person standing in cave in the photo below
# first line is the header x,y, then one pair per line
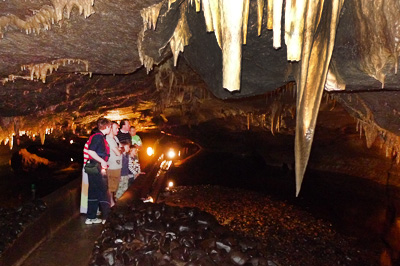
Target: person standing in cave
x,y
125,173
99,152
114,162
123,133
135,139
133,164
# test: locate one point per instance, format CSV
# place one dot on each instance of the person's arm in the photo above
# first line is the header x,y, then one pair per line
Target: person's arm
x,y
95,156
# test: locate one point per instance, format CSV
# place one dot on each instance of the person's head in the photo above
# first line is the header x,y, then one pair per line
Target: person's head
x,y
104,125
132,131
125,146
114,128
124,125
133,149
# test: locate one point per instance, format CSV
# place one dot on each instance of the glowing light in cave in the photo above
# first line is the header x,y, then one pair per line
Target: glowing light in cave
x,y
150,151
71,141
114,115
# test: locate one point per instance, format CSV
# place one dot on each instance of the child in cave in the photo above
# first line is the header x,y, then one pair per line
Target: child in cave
x,y
130,167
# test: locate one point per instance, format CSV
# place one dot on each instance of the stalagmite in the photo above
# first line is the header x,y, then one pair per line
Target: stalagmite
x,y
319,36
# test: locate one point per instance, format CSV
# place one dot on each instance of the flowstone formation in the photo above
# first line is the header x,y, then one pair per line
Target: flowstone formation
x,y
240,48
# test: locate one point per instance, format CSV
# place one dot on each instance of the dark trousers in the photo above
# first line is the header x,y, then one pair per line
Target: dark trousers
x,y
98,195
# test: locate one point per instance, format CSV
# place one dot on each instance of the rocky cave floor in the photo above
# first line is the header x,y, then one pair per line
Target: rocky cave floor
x,y
250,229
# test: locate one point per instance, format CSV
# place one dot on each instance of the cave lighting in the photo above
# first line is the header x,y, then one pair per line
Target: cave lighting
x,y
171,154
71,141
72,159
150,151
149,199
170,184
114,115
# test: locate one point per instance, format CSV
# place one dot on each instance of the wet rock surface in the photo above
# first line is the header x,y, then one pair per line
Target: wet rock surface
x,y
14,220
159,234
212,225
291,234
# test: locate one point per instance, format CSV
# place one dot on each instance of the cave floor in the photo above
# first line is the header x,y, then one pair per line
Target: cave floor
x,y
291,234
71,245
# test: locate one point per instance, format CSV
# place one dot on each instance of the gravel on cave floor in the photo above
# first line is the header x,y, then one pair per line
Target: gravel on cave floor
x,y
291,235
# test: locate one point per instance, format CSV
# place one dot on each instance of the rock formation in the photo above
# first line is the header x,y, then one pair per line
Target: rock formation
x,y
69,61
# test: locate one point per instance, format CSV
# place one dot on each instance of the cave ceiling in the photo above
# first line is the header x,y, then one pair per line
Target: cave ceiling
x,y
74,60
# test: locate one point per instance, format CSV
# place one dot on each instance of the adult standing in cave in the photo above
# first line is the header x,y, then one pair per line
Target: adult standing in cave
x,y
115,161
99,152
123,133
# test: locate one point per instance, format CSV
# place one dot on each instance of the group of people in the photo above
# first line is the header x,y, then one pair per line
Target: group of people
x,y
111,164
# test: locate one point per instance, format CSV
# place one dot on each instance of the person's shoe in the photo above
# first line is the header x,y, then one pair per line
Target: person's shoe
x,y
93,221
103,222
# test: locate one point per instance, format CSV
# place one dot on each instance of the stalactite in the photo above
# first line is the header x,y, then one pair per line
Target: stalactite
x,y
231,26
150,16
277,17
270,15
260,12
333,81
40,71
248,121
147,61
316,51
245,19
46,16
180,37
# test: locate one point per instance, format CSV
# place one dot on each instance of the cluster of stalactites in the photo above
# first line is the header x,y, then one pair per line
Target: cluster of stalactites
x,y
41,70
150,16
147,61
309,37
180,37
46,16
229,22
379,36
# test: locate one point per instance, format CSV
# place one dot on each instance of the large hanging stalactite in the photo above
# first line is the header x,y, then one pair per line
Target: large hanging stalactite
x,y
319,37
